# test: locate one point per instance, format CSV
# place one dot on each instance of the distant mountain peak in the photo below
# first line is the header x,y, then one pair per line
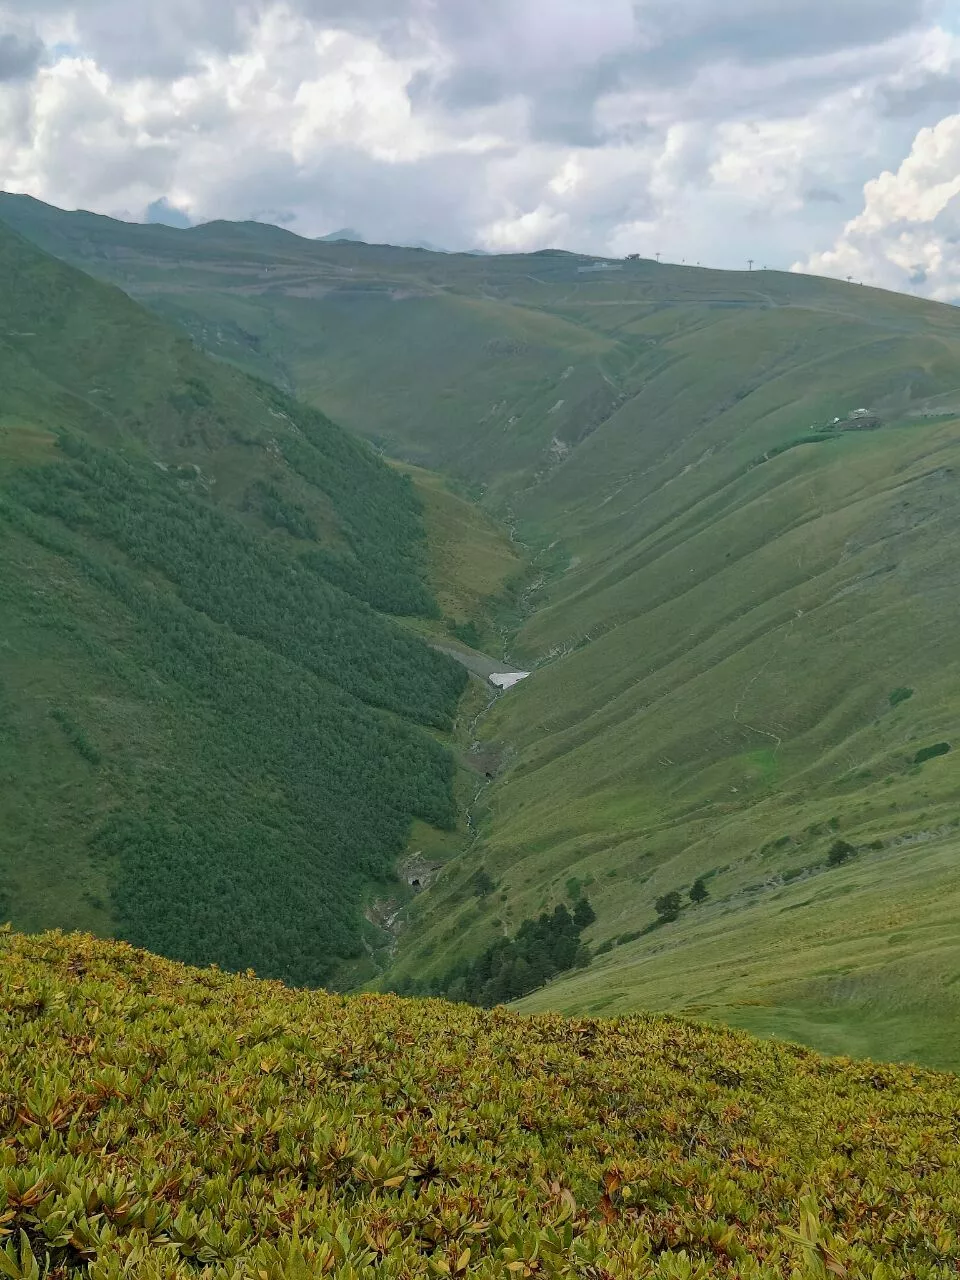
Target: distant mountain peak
x,y
345,233
167,214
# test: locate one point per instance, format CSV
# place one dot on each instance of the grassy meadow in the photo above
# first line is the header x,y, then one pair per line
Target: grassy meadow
x,y
740,716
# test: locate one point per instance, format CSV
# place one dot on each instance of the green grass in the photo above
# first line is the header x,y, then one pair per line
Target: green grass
x,y
800,616
471,563
859,958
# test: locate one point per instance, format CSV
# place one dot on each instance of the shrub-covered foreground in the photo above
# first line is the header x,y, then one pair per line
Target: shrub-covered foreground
x,y
158,1121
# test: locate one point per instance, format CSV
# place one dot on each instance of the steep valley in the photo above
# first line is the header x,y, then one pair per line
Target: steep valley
x,y
737,599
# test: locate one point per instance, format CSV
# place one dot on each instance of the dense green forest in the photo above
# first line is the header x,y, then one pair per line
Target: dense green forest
x,y
240,580
80,355
513,967
211,740
378,510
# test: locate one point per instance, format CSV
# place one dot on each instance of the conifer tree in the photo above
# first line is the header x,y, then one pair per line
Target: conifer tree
x,y
667,906
583,914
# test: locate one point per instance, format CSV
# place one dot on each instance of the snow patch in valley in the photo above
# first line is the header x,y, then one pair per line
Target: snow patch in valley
x,y
507,679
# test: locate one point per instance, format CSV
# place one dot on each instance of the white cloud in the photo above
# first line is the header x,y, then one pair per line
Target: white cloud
x,y
708,132
908,234
522,232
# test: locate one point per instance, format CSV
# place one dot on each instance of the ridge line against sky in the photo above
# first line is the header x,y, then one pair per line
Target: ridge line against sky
x,y
822,135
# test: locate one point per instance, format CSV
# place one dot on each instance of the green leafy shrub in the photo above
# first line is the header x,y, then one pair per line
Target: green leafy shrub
x,y
164,1123
280,511
76,737
482,883
899,695
468,633
931,752
632,936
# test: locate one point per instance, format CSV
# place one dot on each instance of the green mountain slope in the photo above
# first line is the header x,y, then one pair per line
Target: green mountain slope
x,y
716,696
429,354
722,692
737,593
497,368
209,739
169,1123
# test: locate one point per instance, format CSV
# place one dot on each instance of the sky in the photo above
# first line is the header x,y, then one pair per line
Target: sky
x,y
814,135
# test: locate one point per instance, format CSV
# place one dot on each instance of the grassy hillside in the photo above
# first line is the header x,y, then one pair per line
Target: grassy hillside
x,y
499,368
169,1122
473,569
754,681
740,624
431,355
209,740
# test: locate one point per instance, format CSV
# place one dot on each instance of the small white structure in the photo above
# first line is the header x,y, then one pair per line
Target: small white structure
x,y
507,679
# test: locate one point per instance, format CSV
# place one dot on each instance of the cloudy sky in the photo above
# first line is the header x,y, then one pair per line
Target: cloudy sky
x,y
817,134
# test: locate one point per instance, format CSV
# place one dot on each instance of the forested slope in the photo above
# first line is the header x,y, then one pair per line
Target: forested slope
x,y
209,740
